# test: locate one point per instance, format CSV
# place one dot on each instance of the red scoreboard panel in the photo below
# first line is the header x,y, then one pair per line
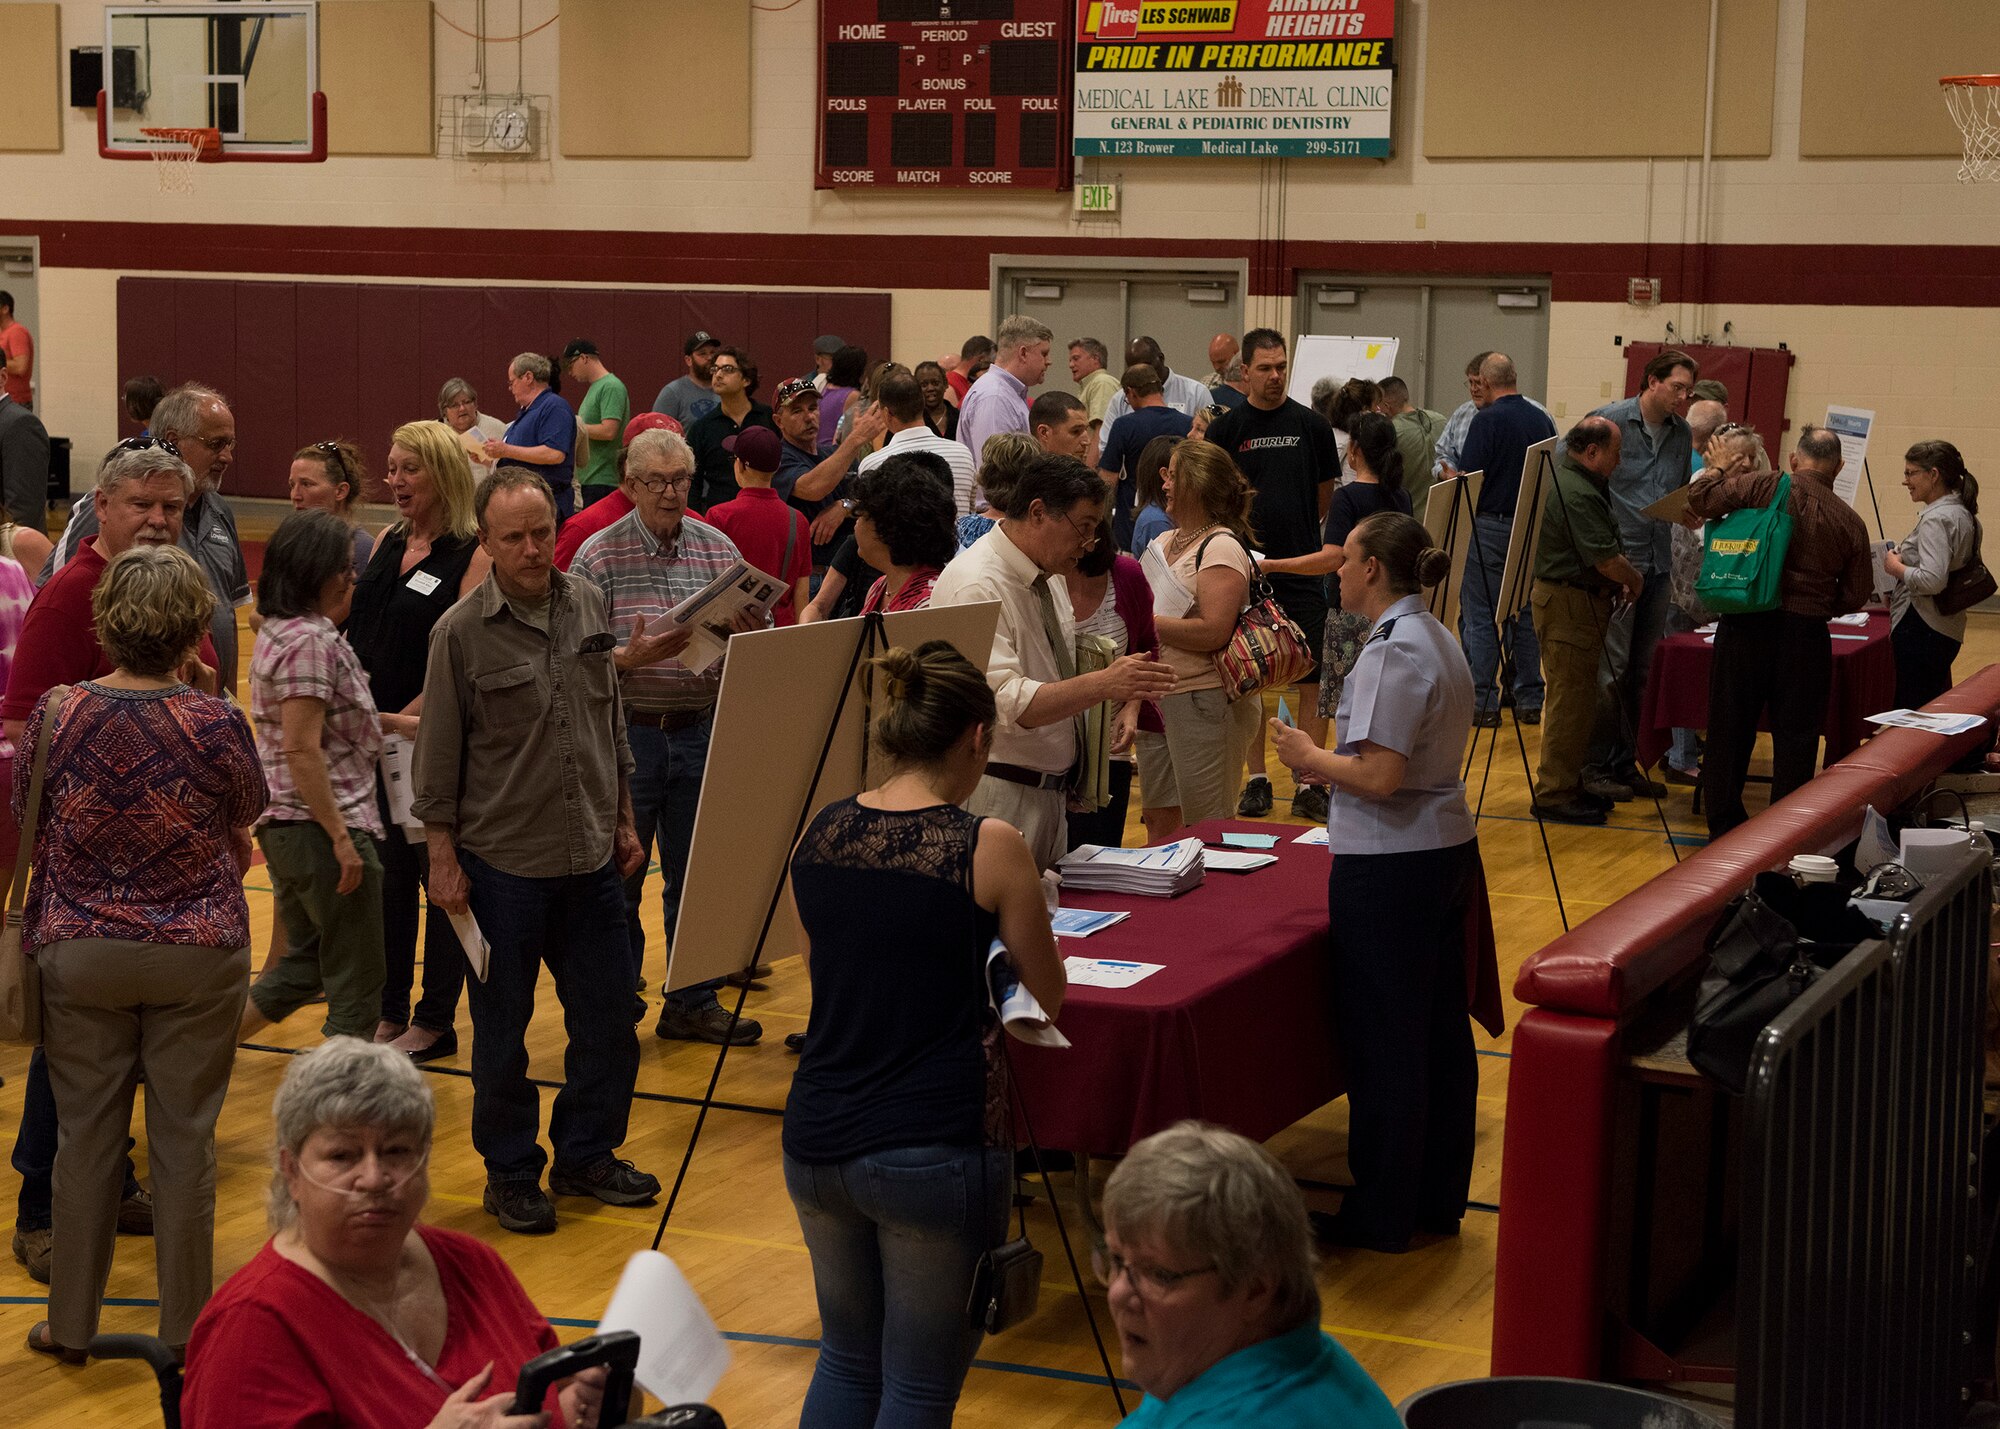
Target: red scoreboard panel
x,y
945,94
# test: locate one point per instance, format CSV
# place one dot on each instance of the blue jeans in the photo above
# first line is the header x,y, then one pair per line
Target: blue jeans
x,y
1685,752
894,1238
34,1156
575,924
1485,565
666,786
1621,679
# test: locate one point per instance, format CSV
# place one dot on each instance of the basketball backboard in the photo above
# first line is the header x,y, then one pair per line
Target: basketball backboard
x,y
250,71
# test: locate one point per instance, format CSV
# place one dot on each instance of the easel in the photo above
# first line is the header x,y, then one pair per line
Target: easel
x,y
730,833
1880,533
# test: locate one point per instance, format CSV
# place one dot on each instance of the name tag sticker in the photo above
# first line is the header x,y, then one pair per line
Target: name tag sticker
x,y
423,582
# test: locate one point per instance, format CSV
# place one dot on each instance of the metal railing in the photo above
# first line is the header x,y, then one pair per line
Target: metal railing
x,y
1857,1274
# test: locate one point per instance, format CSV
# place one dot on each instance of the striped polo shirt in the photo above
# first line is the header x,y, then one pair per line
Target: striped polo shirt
x,y
642,577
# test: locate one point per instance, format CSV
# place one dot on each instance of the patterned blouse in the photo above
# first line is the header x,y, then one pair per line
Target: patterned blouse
x,y
304,657
143,787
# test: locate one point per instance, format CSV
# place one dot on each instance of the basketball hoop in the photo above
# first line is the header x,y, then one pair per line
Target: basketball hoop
x,y
177,151
1974,101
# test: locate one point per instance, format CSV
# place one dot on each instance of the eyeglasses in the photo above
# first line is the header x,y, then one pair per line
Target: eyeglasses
x,y
218,445
140,444
1150,1281
724,367
659,484
1087,534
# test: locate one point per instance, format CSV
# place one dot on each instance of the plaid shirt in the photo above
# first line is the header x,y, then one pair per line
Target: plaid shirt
x,y
304,658
640,576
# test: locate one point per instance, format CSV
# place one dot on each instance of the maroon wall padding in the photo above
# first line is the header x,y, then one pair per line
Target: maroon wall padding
x,y
1758,378
306,362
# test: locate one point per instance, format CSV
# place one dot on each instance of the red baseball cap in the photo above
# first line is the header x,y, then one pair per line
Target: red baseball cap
x,y
651,422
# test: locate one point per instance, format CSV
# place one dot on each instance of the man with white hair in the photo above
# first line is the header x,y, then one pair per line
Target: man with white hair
x,y
140,497
543,437
998,401
645,565
196,423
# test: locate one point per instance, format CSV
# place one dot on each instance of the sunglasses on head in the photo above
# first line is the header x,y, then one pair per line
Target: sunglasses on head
x,y
140,444
333,453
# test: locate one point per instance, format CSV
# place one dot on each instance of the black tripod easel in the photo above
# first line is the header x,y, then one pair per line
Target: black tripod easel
x,y
871,639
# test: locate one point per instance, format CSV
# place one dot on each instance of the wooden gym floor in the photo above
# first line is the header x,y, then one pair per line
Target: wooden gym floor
x,y
1412,1321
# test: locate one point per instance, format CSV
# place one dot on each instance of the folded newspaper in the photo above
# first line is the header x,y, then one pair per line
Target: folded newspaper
x,y
713,609
1014,1005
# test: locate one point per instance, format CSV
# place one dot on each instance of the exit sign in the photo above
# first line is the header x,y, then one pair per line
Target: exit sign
x,y
1097,198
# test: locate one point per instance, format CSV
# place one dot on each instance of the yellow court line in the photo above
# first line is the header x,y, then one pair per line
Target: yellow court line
x,y
1404,1340
1546,898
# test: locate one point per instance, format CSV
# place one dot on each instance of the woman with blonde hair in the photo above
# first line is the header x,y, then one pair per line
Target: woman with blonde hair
x,y
1208,732
422,564
135,918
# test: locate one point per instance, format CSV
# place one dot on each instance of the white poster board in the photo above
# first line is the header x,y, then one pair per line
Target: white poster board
x,y
1340,358
780,689
1538,469
1448,517
1852,426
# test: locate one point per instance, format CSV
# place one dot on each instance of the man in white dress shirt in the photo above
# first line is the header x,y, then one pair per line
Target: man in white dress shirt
x,y
1050,518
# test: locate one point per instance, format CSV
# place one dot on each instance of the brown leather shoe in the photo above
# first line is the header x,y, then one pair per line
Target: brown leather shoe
x,y
135,1213
31,1248
43,1343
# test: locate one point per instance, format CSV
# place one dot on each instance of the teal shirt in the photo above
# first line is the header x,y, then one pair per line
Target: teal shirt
x,y
1299,1380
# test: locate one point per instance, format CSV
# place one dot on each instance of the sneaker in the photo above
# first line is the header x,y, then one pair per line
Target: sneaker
x,y
1256,800
135,1213
1486,719
614,1182
1533,716
1615,790
1310,803
520,1206
31,1248
708,1024
1642,787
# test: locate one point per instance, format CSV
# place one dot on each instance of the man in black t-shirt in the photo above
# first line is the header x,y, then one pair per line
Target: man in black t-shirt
x,y
1287,452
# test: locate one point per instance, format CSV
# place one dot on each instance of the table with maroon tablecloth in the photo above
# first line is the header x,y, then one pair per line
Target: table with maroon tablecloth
x,y
1864,683
1236,1027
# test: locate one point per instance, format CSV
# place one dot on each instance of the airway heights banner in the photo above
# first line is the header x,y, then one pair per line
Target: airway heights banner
x,y
1264,78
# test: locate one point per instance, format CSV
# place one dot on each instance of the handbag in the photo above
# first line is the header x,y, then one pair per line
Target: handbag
x,y
20,978
1267,648
1760,962
1745,557
1969,584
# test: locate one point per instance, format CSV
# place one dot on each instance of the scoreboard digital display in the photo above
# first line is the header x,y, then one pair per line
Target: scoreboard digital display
x,y
945,94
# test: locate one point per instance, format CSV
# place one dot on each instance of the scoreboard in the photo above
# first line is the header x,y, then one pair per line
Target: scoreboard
x,y
945,94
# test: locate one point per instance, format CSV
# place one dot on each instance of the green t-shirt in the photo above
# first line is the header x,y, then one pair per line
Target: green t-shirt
x,y
606,398
1577,529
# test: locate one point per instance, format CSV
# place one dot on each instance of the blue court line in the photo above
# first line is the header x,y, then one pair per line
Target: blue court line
x,y
743,1337
1490,1052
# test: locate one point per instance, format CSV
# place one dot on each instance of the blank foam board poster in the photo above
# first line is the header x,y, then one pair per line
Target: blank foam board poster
x,y
617,101
375,67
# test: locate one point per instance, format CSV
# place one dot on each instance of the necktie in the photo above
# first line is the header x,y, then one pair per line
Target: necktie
x,y
1065,654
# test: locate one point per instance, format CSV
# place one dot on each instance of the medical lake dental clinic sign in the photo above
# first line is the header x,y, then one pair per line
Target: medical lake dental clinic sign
x,y
1265,78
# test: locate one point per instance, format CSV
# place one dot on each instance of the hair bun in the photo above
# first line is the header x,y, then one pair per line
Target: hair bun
x,y
1433,565
903,674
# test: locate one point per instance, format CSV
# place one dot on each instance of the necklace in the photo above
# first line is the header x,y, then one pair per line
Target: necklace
x,y
1182,540
386,1318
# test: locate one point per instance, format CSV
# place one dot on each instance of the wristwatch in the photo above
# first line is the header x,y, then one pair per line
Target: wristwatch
x,y
847,503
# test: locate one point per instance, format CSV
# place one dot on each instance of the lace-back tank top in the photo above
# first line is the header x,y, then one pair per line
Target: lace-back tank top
x,y
897,1051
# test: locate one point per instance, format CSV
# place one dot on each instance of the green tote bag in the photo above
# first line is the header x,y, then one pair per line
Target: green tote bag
x,y
1745,556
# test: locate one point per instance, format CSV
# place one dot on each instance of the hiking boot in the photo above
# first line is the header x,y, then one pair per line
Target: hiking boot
x,y
708,1024
135,1213
612,1181
1256,800
31,1248
1310,803
520,1206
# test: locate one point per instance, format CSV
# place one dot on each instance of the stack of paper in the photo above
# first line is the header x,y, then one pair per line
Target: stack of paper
x,y
1019,1011
1082,922
1163,872
1229,860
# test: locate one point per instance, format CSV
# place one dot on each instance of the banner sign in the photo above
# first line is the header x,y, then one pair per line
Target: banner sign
x,y
1264,78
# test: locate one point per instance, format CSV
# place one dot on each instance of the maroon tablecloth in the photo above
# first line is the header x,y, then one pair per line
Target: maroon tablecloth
x,y
1236,1027
1864,683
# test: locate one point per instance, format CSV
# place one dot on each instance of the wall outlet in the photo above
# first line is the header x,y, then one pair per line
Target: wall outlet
x,y
1604,390
1423,220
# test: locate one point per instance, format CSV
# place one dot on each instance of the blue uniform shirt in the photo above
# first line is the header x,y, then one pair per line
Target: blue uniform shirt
x,y
1298,1380
548,422
1645,474
1410,691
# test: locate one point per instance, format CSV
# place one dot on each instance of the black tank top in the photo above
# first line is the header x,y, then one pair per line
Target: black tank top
x,y
898,1047
390,623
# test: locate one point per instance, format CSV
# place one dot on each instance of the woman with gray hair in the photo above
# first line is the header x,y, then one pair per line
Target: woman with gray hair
x,y
1208,1264
135,918
458,408
354,1313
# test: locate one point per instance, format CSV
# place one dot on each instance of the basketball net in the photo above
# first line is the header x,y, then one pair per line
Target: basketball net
x,y
1974,102
177,151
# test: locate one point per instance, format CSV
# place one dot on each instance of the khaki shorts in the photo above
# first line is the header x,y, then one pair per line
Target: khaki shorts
x,y
1157,789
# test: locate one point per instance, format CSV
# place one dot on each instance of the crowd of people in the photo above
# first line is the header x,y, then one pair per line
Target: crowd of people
x,y
479,713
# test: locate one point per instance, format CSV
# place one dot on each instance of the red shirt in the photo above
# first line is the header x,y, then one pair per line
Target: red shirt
x,y
58,644
760,522
587,523
956,381
17,341
278,1347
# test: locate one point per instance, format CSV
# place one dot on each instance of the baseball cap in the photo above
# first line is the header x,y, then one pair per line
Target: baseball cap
x,y
755,447
651,422
827,346
579,347
698,340
795,387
